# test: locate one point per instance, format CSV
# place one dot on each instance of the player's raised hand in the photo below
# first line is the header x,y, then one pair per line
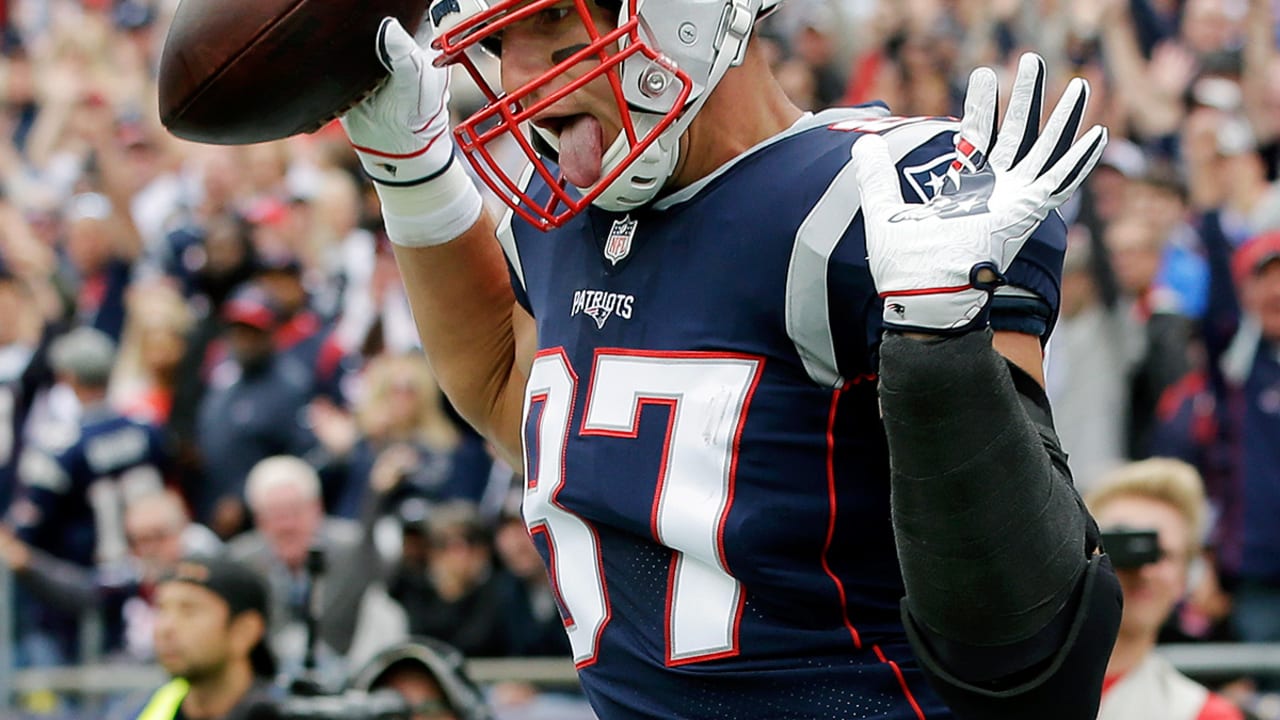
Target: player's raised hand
x,y
936,264
401,131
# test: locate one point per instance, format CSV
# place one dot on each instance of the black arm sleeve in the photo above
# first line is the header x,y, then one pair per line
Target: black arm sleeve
x,y
62,584
1006,600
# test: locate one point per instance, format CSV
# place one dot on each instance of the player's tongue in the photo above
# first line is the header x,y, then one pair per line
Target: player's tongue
x,y
582,151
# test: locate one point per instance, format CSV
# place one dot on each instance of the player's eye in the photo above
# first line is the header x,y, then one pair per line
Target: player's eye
x,y
543,21
552,15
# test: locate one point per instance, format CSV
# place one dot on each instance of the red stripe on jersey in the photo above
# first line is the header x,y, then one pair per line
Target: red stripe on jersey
x,y
902,681
831,518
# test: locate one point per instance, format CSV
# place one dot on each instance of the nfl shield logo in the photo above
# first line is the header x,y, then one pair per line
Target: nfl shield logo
x,y
618,244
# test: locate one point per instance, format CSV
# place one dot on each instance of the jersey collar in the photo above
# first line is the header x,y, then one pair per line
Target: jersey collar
x,y
808,121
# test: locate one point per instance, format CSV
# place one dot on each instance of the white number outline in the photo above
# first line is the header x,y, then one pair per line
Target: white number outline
x,y
541,504
698,560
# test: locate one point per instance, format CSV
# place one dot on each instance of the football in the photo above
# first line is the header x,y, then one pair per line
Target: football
x,y
236,72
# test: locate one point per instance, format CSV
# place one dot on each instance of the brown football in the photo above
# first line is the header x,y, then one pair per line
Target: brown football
x,y
236,72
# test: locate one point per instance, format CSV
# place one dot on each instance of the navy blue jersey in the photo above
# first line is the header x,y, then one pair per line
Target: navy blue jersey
x,y
72,502
707,474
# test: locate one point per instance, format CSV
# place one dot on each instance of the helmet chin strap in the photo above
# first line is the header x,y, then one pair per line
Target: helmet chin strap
x,y
649,173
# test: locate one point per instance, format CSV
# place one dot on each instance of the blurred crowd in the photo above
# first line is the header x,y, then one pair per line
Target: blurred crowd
x,y
208,349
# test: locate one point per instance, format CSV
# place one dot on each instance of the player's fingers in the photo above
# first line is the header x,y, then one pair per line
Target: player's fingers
x,y
1065,177
877,177
978,126
1060,131
395,45
1022,119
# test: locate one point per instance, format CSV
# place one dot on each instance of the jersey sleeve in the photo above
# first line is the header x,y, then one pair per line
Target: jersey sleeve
x,y
517,286
1029,302
506,233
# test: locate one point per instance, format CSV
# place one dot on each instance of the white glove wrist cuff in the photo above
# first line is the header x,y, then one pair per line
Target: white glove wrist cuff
x,y
403,169
935,312
431,213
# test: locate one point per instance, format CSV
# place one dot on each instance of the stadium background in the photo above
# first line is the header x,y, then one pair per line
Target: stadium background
x,y
106,221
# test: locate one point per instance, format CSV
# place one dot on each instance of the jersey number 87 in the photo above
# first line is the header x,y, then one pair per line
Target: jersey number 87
x,y
707,395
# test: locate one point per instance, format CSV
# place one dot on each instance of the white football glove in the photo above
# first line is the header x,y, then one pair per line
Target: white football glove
x,y
401,134
926,259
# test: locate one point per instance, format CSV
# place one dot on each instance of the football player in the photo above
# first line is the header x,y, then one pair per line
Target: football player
x,y
699,304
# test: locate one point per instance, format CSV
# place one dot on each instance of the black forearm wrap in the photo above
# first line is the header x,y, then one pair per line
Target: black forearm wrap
x,y
991,537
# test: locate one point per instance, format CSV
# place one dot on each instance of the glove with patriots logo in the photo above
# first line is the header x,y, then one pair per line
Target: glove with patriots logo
x,y
937,264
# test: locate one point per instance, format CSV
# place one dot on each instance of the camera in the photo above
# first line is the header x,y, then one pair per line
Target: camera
x,y
1131,548
349,705
406,679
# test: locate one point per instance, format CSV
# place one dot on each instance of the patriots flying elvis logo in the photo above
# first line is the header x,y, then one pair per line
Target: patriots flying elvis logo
x,y
929,178
600,305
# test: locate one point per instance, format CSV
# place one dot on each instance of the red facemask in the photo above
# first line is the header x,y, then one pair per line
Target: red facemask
x,y
504,113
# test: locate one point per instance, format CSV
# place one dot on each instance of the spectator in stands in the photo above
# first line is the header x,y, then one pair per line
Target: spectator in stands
x,y
1086,376
1250,204
1156,329
216,258
302,333
72,501
100,248
159,534
400,427
1160,196
252,410
356,615
457,597
1105,195
1251,366
211,637
215,184
534,627
1166,496
279,273
342,252
151,350
22,373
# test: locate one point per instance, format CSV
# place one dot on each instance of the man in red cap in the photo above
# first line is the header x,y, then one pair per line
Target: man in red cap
x,y
1258,278
1250,366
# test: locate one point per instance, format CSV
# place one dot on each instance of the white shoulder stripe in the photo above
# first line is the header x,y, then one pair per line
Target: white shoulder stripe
x,y
807,311
906,138
507,236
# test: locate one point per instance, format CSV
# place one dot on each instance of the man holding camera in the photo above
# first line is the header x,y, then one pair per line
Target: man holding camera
x,y
210,635
1152,515
428,676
